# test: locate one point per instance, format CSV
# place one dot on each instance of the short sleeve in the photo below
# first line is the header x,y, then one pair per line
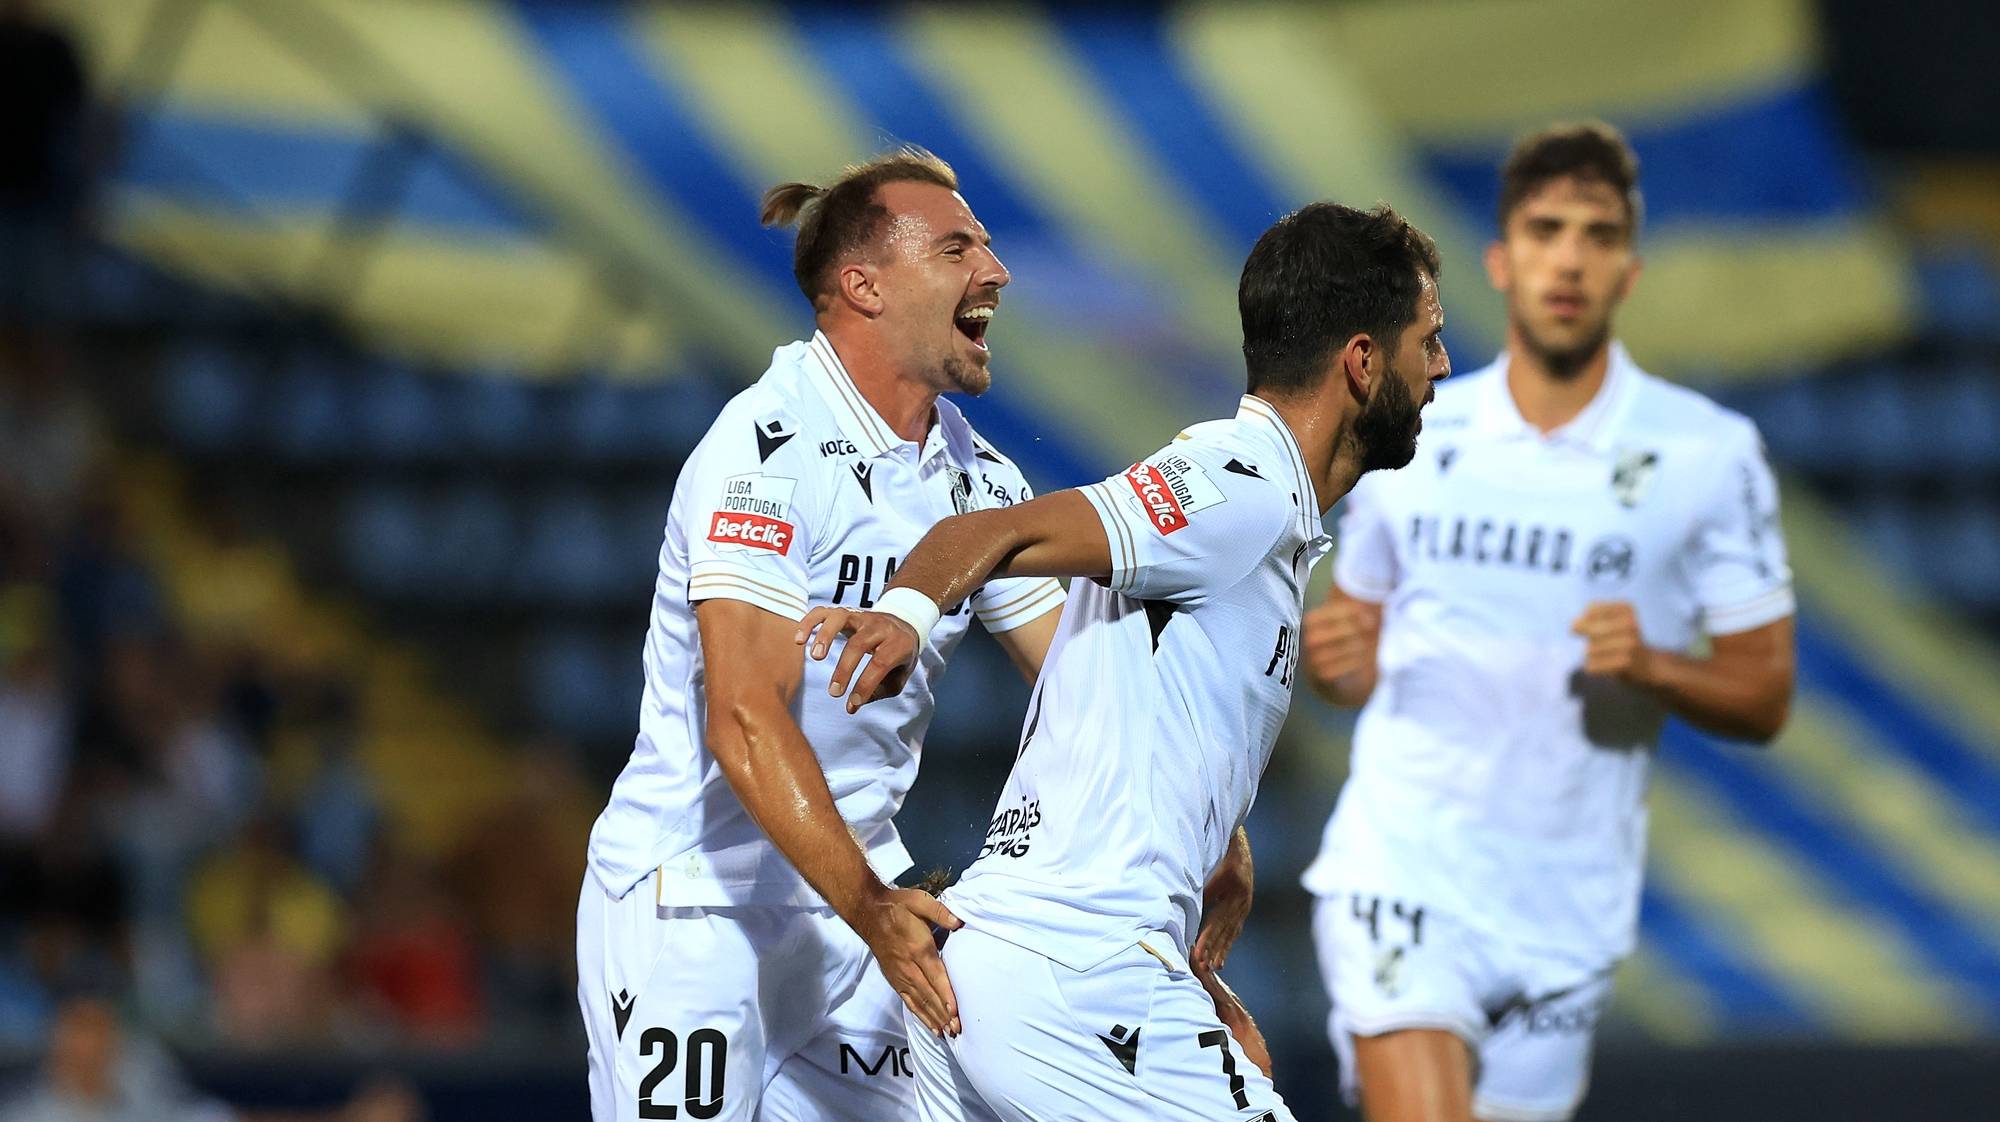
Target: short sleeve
x,y
1010,602
1365,565
1182,528
1741,578
746,509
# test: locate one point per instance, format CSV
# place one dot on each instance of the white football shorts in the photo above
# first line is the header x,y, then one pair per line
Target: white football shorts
x,y
1529,1015
734,1014
1134,1037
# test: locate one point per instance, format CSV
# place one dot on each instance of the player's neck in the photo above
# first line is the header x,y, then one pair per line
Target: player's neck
x,y
907,405
1545,399
1332,463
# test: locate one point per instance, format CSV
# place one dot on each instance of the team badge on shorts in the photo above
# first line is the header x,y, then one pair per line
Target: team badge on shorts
x,y
1389,971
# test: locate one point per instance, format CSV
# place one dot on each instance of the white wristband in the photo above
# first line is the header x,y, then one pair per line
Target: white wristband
x,y
913,608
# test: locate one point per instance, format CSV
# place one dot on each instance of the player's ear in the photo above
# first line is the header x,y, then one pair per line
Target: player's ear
x,y
1358,365
857,286
1631,278
1498,273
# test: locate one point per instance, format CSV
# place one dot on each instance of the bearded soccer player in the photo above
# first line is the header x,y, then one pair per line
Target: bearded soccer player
x,y
1162,694
739,900
1518,612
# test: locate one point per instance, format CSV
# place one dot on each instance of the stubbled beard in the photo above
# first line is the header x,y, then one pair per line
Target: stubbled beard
x,y
1565,363
964,377
1386,429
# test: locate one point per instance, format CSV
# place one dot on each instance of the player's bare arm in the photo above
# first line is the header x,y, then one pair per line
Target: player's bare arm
x,y
1229,1009
753,673
1341,638
1742,689
1225,903
1028,644
1056,535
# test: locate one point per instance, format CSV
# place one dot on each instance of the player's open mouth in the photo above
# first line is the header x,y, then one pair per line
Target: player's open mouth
x,y
972,322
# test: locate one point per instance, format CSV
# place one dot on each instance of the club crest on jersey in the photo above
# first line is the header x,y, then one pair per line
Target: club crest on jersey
x,y
1632,475
753,514
961,492
1171,490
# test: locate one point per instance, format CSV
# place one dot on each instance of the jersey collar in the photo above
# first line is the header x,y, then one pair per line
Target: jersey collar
x,y
860,423
1594,428
1254,410
858,420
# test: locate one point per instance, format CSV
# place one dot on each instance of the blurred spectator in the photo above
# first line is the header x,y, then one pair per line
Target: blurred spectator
x,y
98,1072
270,933
413,966
71,894
49,434
45,88
517,871
35,721
337,811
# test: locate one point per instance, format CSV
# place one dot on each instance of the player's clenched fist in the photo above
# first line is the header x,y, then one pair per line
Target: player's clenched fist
x,y
1616,649
1340,638
889,644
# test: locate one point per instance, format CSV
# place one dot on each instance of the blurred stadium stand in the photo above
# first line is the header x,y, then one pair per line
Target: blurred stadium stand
x,y
353,448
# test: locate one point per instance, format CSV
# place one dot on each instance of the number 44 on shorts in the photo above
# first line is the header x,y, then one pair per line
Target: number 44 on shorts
x,y
1383,924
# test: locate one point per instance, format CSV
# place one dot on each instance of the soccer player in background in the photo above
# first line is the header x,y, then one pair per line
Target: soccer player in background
x,y
1518,611
1160,699
740,896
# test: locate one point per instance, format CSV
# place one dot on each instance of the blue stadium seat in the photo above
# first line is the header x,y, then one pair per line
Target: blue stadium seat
x,y
1965,552
1889,527
472,544
207,395
385,541
310,414
497,414
1965,418
399,414
594,420
580,686
1960,290
569,556
1792,415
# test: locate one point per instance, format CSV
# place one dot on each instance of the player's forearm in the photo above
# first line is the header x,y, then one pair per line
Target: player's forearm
x,y
956,556
772,768
1349,690
1734,698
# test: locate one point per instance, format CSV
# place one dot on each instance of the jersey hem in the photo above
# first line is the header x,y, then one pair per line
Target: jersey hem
x,y
1751,614
1118,532
1024,609
722,581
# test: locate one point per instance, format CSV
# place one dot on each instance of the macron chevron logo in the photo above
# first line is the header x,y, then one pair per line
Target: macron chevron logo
x,y
1124,1045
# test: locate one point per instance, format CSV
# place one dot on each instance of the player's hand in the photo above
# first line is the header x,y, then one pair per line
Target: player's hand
x,y
1230,1011
1616,648
896,925
1225,905
889,644
1340,636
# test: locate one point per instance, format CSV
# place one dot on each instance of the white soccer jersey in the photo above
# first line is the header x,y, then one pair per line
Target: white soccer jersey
x,y
1491,778
1159,700
800,494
